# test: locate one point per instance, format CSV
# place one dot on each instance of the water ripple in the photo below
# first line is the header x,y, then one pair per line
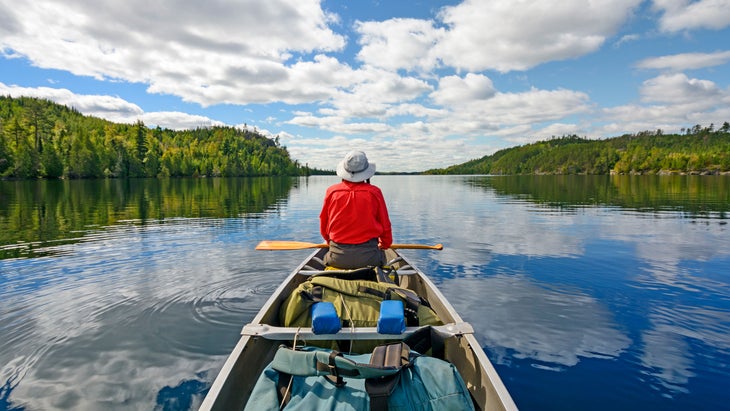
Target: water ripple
x,y
609,306
162,296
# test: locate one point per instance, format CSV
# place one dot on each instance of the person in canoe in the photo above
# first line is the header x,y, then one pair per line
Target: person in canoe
x,y
354,220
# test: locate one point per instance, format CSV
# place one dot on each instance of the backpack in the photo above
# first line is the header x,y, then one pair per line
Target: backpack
x,y
357,303
392,378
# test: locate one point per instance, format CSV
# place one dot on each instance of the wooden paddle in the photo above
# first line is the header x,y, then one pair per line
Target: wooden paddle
x,y
300,245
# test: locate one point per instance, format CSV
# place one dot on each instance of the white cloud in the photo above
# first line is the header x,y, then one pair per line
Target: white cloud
x,y
405,148
206,52
560,129
177,120
679,89
673,101
680,15
111,108
533,106
686,61
474,115
398,43
375,94
412,81
507,35
454,90
628,38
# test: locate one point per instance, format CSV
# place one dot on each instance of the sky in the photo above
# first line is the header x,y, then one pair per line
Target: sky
x,y
416,84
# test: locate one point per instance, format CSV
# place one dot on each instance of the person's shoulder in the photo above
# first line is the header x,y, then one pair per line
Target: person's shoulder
x,y
345,185
337,186
372,188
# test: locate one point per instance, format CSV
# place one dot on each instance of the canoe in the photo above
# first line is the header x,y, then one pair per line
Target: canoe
x,y
261,338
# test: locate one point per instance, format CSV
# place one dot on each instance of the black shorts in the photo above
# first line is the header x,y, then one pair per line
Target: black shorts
x,y
348,256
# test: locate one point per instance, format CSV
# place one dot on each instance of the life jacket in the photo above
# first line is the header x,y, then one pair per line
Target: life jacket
x,y
392,378
357,303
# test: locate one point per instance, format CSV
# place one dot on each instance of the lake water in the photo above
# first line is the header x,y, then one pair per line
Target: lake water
x,y
598,293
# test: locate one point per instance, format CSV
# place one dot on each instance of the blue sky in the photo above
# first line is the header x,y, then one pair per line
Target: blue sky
x,y
416,84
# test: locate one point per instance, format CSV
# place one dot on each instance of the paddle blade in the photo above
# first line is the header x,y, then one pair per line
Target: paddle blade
x,y
287,245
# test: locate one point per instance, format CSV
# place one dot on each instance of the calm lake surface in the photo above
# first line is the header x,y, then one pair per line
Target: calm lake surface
x,y
598,293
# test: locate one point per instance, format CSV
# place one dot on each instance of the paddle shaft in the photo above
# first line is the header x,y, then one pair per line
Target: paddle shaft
x,y
300,245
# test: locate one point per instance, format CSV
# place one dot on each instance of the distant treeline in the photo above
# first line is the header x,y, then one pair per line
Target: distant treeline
x,y
697,151
42,139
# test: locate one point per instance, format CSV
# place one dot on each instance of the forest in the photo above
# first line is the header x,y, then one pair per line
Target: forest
x,y
696,150
42,139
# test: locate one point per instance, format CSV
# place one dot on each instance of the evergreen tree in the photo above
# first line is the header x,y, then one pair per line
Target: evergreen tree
x,y
141,134
6,160
89,147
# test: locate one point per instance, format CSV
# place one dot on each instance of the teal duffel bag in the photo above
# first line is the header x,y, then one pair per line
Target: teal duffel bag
x,y
392,378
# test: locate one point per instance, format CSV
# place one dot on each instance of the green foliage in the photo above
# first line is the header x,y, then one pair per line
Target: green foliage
x,y
39,138
692,195
36,216
699,151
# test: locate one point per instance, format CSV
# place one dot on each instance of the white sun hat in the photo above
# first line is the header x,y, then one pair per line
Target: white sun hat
x,y
355,167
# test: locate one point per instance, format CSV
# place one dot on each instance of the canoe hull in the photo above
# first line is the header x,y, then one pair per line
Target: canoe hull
x,y
261,338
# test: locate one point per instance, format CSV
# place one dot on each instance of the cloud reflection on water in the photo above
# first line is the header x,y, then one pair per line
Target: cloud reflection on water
x,y
655,269
546,285
130,311
553,327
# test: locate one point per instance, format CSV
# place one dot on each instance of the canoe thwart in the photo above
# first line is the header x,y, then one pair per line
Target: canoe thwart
x,y
271,332
315,273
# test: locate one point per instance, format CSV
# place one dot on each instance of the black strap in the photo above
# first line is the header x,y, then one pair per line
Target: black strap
x,y
344,345
425,339
412,302
314,295
379,390
372,291
365,273
335,374
395,355
384,275
317,293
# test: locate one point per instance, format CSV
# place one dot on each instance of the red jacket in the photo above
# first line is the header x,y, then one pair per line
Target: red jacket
x,y
354,213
